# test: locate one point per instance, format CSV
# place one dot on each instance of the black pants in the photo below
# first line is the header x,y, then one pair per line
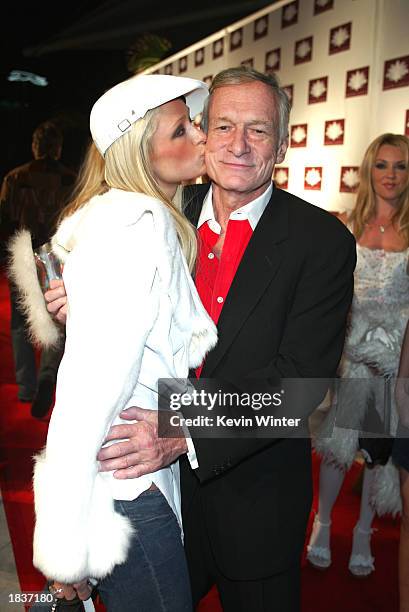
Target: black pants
x,y
277,593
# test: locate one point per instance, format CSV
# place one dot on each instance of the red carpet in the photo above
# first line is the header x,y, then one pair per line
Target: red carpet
x,y
334,590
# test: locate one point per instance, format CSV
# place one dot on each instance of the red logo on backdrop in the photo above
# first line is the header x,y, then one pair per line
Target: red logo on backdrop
x,y
218,48
349,179
340,38
260,27
313,177
318,90
248,62
334,132
199,56
183,64
236,39
273,59
303,50
396,73
298,135
289,14
357,82
322,5
281,175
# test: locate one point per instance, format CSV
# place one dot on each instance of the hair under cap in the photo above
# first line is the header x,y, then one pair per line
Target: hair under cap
x,y
117,109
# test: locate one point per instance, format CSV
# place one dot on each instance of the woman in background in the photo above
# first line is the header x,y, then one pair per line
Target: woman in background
x,y
124,228
380,309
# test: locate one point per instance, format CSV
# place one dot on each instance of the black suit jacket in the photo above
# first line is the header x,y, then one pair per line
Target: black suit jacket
x,y
284,316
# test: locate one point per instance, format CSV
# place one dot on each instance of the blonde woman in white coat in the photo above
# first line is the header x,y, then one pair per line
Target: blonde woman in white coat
x,y
123,229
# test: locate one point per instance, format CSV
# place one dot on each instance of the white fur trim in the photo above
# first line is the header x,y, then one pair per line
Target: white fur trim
x,y
202,341
23,272
385,493
70,543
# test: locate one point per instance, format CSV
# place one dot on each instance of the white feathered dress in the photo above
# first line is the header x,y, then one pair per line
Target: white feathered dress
x,y
134,316
378,318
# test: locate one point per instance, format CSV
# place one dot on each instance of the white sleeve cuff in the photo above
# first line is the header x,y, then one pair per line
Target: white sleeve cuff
x,y
191,451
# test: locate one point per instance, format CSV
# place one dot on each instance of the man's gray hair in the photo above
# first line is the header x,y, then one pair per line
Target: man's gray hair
x,y
243,74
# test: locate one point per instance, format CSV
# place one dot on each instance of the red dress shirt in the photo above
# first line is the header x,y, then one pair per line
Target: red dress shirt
x,y
214,276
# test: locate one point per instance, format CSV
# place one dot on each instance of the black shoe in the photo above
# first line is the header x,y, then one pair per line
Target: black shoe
x,y
43,399
25,396
25,399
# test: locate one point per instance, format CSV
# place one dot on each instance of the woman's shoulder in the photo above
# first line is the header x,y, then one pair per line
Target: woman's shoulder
x,y
107,216
124,207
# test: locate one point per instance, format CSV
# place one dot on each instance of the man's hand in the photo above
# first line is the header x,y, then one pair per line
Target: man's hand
x,y
142,452
56,299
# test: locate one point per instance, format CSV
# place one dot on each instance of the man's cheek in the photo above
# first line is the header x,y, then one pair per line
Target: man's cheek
x,y
209,160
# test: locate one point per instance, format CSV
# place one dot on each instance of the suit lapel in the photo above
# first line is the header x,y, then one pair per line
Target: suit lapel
x,y
193,196
257,269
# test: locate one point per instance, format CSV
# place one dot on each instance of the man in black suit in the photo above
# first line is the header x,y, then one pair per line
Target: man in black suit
x,y
281,310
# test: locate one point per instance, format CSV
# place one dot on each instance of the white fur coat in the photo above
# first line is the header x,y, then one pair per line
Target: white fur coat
x,y
43,330
122,257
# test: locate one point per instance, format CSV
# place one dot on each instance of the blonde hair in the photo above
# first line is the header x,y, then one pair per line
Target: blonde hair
x,y
365,207
127,166
90,181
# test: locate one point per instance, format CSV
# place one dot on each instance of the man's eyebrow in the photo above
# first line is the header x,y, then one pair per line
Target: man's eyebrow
x,y
223,119
260,122
251,122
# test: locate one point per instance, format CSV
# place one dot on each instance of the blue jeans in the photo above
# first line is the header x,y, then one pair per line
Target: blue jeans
x,y
154,578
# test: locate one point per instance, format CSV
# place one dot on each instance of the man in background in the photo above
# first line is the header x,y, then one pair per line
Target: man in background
x,y
32,196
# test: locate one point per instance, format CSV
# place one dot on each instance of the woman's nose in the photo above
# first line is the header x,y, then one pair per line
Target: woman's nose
x,y
199,136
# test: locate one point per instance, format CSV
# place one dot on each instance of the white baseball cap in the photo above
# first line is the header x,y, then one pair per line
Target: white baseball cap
x,y
118,108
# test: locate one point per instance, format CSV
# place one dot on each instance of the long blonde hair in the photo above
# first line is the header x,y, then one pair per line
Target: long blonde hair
x,y
365,206
127,166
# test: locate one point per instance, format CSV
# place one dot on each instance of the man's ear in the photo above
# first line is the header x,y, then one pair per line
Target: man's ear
x,y
281,151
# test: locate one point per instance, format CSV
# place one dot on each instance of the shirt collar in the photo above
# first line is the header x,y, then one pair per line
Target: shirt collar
x,y
251,211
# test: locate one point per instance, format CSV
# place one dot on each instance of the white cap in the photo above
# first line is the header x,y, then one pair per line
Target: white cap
x,y
114,112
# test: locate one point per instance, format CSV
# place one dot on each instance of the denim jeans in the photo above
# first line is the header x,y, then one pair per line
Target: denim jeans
x,y
154,578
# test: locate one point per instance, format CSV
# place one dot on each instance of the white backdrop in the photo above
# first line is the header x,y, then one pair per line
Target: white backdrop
x,y
346,65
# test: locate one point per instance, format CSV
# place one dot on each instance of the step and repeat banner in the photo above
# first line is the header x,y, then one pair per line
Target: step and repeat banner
x,y
345,66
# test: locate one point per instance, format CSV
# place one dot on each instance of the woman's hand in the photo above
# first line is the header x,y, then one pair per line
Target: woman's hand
x,y
56,299
69,591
